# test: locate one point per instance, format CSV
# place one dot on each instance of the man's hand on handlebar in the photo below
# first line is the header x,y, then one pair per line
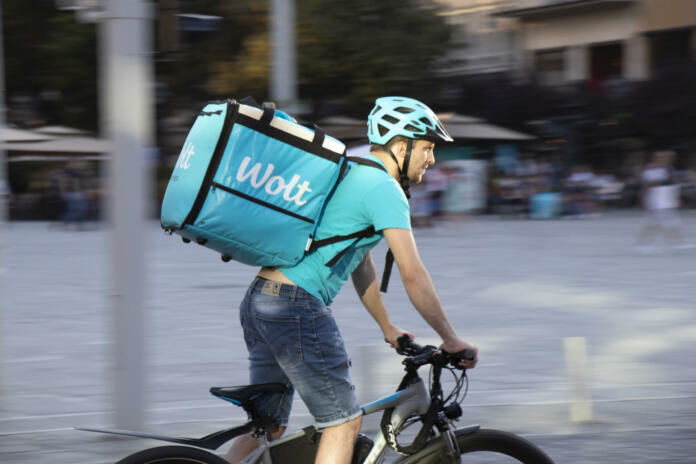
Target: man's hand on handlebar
x,y
461,349
392,334
465,355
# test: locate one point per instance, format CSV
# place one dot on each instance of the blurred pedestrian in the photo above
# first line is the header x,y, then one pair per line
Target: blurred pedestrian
x,y
454,198
579,199
509,195
421,206
74,195
660,200
688,188
5,189
607,189
436,187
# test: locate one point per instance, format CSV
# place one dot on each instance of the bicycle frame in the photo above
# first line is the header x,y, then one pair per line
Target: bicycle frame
x,y
414,399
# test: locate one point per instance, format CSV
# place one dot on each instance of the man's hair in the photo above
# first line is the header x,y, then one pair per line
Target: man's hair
x,y
390,143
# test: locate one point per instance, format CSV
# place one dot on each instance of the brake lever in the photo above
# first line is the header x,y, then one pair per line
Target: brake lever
x,y
467,355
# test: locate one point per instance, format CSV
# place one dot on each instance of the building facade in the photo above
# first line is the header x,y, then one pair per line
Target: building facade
x,y
482,43
559,42
566,41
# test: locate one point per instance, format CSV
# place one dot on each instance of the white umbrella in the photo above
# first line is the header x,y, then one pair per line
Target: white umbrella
x,y
468,127
62,131
10,135
47,149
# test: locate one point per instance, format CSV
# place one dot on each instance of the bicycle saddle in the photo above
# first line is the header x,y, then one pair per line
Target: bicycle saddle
x,y
244,394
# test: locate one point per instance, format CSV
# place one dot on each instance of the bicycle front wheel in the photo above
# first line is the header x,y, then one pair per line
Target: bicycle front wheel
x,y
173,455
491,446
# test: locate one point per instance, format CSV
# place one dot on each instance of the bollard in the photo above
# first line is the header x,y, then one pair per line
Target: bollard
x,y
379,369
376,365
576,367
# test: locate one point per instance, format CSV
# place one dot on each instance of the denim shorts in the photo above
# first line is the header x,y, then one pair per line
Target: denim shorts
x,y
292,338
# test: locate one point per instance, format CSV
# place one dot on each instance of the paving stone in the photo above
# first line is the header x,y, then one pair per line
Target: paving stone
x,y
516,288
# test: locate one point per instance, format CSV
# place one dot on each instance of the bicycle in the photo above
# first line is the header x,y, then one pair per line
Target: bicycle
x,y
437,441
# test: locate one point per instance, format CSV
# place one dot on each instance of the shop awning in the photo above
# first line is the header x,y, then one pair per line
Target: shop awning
x,y
10,135
540,10
458,125
56,148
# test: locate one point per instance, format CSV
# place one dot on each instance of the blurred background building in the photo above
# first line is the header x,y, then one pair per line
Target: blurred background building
x,y
586,84
485,43
600,41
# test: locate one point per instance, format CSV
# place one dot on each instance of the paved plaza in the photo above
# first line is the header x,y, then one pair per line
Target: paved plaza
x,y
517,288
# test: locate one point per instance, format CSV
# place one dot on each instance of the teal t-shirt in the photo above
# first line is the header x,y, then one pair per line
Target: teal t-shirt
x,y
366,196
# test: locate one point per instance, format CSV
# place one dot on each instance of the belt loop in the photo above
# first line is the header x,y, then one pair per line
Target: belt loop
x,y
293,294
251,289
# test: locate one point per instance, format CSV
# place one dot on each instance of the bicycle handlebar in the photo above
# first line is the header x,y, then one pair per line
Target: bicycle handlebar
x,y
417,355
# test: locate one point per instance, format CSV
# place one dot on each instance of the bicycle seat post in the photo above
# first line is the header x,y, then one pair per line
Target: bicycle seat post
x,y
260,432
262,441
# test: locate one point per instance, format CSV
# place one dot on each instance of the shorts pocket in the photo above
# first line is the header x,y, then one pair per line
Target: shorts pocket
x,y
281,333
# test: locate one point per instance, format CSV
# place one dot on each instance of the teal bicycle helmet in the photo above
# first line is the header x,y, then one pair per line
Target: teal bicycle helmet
x,y
394,116
404,116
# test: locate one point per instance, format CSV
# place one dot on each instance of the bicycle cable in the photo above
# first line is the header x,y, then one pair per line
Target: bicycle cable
x,y
461,381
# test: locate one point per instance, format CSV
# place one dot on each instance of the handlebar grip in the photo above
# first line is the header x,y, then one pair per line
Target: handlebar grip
x,y
406,343
407,346
403,340
467,354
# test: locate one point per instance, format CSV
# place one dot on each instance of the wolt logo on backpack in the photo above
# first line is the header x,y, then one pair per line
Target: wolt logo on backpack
x,y
273,185
185,156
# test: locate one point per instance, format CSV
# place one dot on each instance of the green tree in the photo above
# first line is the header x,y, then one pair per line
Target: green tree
x,y
357,50
50,63
231,61
348,52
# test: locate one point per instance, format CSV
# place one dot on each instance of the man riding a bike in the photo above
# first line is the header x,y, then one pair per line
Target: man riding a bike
x,y
289,330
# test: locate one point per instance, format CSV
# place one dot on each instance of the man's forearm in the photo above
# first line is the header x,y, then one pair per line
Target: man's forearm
x,y
421,291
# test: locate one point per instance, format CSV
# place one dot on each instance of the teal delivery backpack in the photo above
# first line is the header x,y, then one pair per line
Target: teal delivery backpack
x,y
251,184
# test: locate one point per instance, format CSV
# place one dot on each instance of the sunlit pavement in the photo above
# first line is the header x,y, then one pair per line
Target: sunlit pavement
x,y
516,288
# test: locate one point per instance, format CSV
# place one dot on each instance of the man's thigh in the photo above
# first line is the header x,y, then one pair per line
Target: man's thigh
x,y
306,343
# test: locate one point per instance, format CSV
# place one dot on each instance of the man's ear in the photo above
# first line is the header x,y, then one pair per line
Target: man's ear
x,y
399,149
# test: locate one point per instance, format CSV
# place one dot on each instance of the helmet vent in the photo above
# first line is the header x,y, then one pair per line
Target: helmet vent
x,y
402,116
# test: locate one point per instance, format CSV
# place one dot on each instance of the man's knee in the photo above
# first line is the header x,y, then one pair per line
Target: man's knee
x,y
353,425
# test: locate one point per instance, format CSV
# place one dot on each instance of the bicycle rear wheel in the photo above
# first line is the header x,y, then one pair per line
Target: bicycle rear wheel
x,y
173,455
492,446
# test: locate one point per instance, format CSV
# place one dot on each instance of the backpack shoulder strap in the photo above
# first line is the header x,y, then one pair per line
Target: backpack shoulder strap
x,y
366,162
368,232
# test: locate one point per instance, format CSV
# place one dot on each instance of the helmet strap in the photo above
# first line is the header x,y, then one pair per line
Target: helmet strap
x,y
403,172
